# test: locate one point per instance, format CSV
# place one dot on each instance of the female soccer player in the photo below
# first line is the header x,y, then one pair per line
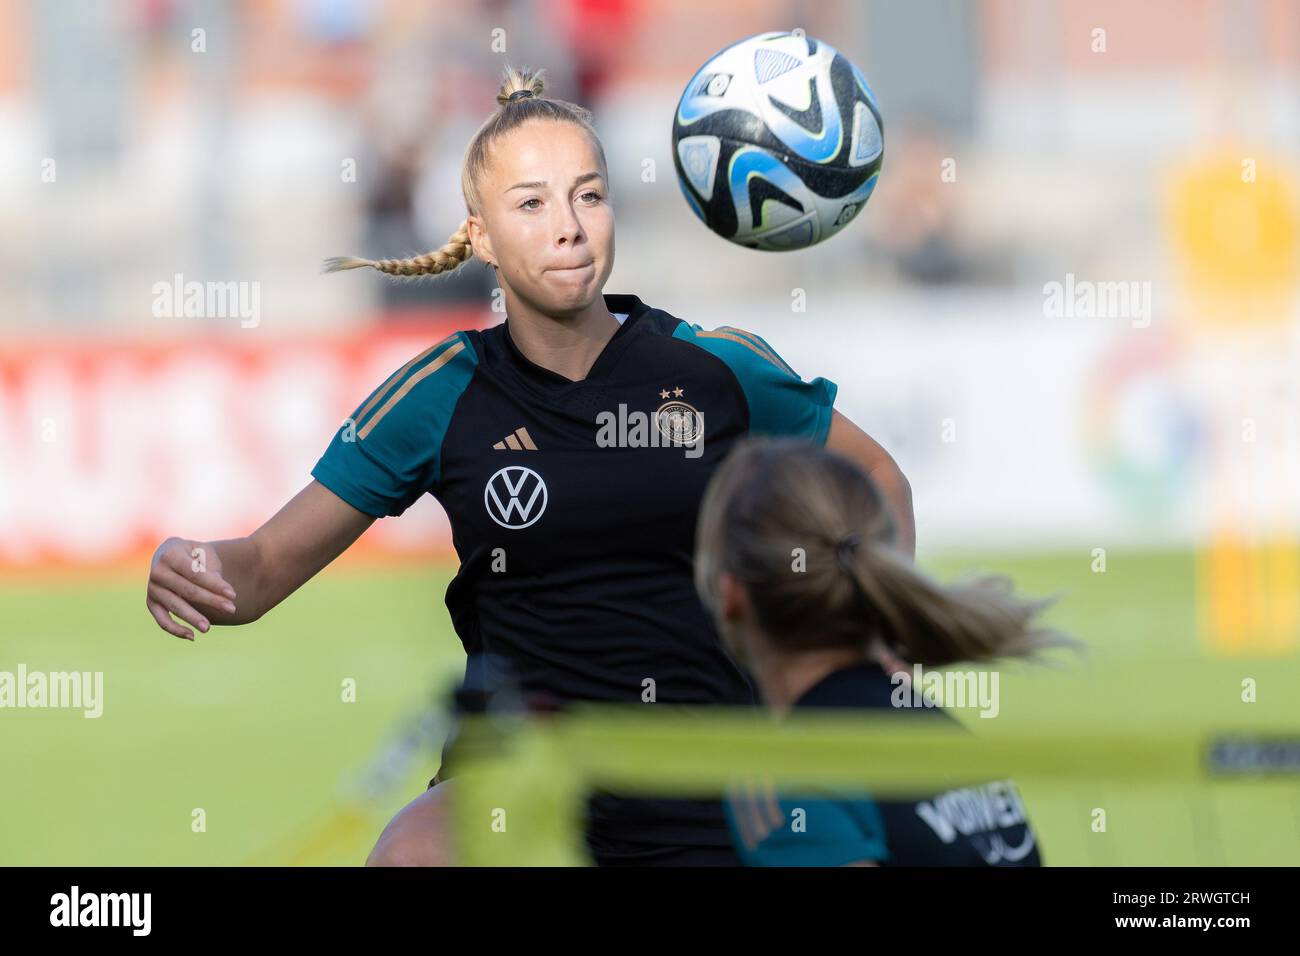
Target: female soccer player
x,y
834,633
570,446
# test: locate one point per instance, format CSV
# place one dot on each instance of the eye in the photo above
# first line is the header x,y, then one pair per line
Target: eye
x,y
524,205
592,192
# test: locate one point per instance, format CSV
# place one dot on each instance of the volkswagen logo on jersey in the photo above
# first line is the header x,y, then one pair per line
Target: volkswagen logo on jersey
x,y
515,496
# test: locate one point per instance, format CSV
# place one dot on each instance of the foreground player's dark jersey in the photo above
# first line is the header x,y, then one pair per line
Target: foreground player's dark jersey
x,y
983,825
572,510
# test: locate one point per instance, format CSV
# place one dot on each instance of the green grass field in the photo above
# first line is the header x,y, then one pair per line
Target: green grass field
x,y
249,725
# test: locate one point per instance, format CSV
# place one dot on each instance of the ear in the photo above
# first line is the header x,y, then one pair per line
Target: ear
x,y
733,602
733,611
479,241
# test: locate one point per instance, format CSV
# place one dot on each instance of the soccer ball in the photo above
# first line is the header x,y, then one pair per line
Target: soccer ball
x,y
777,141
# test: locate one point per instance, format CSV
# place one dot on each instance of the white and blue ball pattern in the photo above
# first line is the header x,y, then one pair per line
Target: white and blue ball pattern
x,y
777,142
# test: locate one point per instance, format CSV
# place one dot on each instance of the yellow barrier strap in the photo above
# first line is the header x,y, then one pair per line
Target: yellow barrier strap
x,y
522,781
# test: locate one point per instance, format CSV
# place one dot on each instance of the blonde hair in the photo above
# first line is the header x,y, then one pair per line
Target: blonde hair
x,y
773,496
511,113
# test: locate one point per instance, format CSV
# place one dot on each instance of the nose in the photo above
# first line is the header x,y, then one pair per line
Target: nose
x,y
568,228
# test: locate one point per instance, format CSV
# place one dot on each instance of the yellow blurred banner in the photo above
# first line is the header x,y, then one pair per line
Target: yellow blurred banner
x,y
1233,227
1232,223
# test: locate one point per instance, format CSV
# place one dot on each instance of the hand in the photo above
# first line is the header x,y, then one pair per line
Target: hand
x,y
184,576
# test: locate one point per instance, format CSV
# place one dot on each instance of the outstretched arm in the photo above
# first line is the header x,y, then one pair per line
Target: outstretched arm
x,y
238,580
851,441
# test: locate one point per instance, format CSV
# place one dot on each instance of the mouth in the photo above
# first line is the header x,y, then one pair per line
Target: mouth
x,y
574,268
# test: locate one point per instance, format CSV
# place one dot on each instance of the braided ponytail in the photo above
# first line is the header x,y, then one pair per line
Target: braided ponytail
x,y
454,251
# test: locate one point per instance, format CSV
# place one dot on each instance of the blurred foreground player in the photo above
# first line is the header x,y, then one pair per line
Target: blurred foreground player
x,y
836,634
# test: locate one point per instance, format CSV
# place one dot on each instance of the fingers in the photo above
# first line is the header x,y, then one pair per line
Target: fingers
x,y
190,591
165,622
178,606
181,576
181,560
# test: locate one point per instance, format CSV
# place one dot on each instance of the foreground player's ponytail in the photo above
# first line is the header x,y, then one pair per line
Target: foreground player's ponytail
x,y
810,537
519,101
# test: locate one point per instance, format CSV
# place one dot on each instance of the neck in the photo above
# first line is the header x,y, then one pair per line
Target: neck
x,y
567,345
784,677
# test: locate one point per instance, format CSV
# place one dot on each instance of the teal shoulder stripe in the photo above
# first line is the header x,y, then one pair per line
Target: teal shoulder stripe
x,y
419,400
779,401
452,380
377,399
760,343
385,459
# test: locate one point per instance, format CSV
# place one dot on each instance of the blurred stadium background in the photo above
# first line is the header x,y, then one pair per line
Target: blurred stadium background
x,y
1144,463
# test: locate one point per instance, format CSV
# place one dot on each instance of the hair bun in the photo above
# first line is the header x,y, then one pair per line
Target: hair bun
x,y
521,94
845,548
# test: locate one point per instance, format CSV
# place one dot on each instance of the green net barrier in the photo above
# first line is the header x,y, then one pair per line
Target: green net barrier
x,y
1118,795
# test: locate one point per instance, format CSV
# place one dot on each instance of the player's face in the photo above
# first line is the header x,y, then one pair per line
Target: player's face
x,y
548,221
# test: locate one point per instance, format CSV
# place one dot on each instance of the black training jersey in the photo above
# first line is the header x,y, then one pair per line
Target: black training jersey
x,y
573,503
984,825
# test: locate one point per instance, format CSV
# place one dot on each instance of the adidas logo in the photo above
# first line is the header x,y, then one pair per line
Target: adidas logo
x,y
519,440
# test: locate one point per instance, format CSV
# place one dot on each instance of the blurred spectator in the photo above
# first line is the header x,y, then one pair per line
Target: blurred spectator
x,y
394,230
918,205
598,33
